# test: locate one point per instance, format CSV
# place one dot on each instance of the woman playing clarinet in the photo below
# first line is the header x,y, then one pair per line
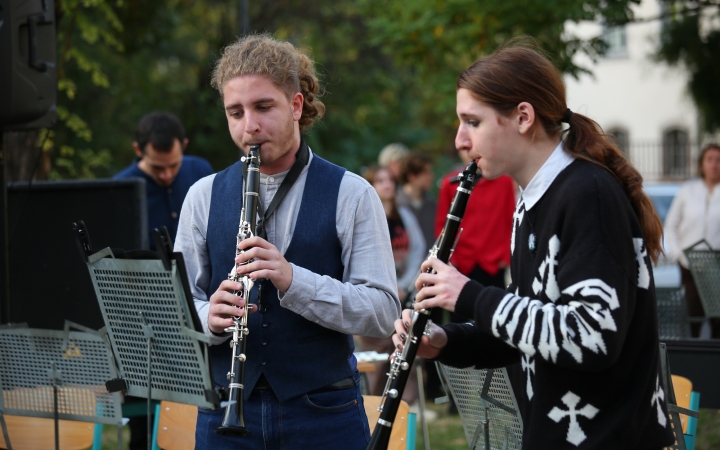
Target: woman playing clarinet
x,y
580,313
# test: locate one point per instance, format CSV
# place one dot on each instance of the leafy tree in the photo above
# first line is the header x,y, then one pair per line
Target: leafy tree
x,y
690,38
168,54
440,38
389,68
84,28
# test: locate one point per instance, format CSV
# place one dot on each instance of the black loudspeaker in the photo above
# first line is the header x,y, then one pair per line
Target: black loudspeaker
x,y
50,281
28,73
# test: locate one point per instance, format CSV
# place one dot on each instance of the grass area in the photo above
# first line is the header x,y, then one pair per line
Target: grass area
x,y
110,438
446,432
708,434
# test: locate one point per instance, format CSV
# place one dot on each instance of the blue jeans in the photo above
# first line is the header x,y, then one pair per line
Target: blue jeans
x,y
328,419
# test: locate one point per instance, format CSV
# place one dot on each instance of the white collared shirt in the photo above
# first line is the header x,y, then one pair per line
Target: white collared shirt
x,y
559,159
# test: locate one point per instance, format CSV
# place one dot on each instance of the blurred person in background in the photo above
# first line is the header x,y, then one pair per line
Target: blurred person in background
x,y
391,156
408,248
160,145
695,215
416,177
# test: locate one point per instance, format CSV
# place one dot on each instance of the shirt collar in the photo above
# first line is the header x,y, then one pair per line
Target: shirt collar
x,y
277,178
559,159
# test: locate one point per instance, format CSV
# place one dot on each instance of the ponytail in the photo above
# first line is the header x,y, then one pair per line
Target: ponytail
x,y
585,140
310,89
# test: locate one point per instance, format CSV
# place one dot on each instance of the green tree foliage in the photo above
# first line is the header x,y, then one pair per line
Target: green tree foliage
x,y
84,28
167,50
440,38
691,38
389,68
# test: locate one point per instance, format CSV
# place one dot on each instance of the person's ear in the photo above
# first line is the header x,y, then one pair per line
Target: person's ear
x,y
525,118
297,105
138,150
185,143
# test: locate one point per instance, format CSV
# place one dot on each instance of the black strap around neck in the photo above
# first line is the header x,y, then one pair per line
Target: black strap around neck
x,y
303,155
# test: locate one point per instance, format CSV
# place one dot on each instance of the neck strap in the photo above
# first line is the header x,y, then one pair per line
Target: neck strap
x,y
303,155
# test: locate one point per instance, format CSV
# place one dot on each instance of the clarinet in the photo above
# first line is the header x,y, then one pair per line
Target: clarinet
x,y
401,363
233,423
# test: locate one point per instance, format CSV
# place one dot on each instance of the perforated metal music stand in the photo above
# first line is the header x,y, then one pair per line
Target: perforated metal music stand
x,y
152,326
144,308
705,269
487,406
57,374
673,320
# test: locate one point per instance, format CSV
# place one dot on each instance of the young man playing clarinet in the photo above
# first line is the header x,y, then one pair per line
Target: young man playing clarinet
x,y
321,259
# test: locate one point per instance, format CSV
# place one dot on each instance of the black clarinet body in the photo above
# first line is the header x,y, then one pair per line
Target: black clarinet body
x,y
233,423
402,361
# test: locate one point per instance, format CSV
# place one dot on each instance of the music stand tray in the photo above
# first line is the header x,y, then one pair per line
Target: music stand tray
x,y
487,406
145,307
57,374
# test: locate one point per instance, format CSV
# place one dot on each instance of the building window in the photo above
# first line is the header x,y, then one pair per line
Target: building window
x,y
621,138
616,40
676,153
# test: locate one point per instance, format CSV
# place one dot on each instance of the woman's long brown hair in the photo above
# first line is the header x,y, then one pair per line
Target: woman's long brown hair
x,y
519,72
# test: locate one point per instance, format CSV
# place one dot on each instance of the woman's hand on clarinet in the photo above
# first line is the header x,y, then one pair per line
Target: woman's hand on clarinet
x,y
440,289
224,305
430,346
268,263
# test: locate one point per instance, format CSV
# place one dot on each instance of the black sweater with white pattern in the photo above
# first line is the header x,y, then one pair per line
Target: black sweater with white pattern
x,y
581,315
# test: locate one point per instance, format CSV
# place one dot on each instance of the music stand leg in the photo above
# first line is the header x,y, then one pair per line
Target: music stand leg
x,y
421,408
5,431
147,329
149,399
119,437
54,375
56,417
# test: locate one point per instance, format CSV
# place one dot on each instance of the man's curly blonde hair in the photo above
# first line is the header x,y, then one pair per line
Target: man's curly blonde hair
x,y
288,69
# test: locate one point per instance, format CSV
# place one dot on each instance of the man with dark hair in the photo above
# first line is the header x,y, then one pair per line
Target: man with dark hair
x,y
159,145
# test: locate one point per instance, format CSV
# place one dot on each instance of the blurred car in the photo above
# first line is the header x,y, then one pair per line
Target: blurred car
x,y
667,274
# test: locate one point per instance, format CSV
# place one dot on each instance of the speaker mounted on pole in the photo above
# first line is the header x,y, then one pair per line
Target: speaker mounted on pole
x,y
28,80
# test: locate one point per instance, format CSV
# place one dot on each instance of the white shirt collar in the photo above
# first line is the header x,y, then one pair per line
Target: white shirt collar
x,y
559,159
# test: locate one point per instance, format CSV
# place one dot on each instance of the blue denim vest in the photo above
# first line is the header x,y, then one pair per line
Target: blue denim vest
x,y
295,355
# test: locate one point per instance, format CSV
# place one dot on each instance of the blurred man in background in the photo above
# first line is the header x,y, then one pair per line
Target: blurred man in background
x,y
159,145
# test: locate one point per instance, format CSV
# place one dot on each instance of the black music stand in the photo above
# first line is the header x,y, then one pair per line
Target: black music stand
x,y
487,406
148,310
56,374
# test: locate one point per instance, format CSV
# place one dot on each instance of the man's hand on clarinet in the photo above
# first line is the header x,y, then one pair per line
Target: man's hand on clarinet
x,y
269,263
430,346
224,305
440,289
